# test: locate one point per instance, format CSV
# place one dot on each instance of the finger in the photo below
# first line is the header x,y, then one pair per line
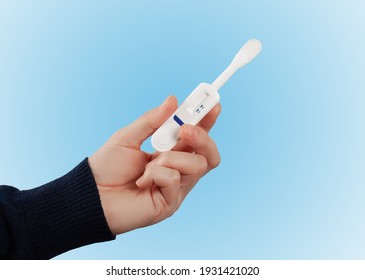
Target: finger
x,y
206,123
209,120
185,163
166,179
198,139
133,135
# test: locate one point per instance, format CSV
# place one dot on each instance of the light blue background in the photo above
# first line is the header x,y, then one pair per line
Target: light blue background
x,y
291,184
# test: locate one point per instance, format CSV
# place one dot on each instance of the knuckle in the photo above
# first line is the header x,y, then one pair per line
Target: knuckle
x,y
151,171
171,211
202,165
174,178
216,160
164,158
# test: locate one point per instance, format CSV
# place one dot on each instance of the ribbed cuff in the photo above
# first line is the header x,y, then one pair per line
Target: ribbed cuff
x,y
66,213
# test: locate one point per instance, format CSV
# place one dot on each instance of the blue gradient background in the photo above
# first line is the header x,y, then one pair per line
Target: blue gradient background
x,y
291,184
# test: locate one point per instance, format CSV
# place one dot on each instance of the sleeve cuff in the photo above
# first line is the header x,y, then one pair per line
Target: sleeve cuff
x,y
66,213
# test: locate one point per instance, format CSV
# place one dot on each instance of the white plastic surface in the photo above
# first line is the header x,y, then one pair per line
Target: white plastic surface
x,y
247,53
191,111
201,100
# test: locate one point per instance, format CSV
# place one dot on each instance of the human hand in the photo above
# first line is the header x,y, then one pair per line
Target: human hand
x,y
138,189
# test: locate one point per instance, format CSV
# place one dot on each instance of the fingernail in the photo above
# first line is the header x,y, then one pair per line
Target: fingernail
x,y
190,131
139,180
164,104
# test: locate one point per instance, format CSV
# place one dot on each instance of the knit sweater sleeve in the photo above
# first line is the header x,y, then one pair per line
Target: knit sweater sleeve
x,y
54,218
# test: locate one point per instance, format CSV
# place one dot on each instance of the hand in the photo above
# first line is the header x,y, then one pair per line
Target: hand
x,y
138,189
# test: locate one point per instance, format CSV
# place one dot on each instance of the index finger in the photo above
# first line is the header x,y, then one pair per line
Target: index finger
x,y
206,124
209,120
199,140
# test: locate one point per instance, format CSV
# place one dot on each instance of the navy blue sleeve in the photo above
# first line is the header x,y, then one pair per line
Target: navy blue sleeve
x,y
54,218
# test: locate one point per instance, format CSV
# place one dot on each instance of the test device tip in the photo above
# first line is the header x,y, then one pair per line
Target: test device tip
x,y
248,52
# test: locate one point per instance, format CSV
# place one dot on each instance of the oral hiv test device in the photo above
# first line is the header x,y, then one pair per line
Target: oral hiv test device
x,y
201,100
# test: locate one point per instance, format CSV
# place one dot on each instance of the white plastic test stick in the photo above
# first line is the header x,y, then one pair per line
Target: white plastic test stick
x,y
201,100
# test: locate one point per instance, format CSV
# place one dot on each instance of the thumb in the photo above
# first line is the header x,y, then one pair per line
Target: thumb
x,y
133,135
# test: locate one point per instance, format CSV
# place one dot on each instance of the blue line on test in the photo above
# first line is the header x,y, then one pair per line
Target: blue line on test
x,y
177,119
